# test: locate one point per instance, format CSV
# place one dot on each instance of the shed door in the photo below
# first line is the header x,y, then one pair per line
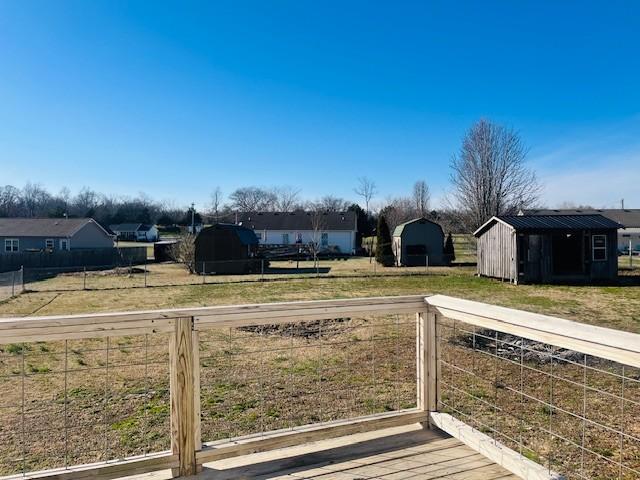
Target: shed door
x,y
533,271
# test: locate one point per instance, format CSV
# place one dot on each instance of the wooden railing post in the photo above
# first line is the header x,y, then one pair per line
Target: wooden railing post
x,y
185,396
427,362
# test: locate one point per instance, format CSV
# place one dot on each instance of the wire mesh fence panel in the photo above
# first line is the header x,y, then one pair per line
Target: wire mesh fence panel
x,y
11,284
74,402
576,414
268,377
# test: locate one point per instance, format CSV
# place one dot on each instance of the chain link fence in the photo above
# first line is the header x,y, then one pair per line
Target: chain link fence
x,y
165,274
11,284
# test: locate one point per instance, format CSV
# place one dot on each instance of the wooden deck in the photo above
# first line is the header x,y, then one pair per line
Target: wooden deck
x,y
408,452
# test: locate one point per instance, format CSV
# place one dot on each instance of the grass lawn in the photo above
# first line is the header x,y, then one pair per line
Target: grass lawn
x,y
612,306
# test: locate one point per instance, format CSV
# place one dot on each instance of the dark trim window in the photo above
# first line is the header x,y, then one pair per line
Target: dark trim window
x,y
11,245
599,247
49,244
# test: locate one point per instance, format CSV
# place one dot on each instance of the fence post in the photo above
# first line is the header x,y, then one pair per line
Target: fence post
x,y
84,278
145,272
13,283
184,365
427,363
262,269
204,272
21,278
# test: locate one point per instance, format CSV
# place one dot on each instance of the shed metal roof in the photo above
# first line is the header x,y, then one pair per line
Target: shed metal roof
x,y
629,217
42,227
399,229
523,223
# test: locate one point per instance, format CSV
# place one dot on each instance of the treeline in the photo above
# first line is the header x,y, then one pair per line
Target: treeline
x,y
33,200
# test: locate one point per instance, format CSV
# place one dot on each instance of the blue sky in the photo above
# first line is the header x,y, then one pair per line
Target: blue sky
x,y
174,98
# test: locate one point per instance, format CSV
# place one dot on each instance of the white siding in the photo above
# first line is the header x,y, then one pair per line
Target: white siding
x,y
344,240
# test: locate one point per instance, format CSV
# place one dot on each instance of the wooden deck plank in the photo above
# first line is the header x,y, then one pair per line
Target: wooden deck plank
x,y
405,452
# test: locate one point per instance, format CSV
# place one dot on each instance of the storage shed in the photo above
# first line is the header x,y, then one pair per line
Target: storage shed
x,y
548,249
226,248
419,242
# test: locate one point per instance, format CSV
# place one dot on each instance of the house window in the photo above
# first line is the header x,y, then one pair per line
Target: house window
x,y
324,239
285,239
298,238
48,244
64,244
599,246
11,244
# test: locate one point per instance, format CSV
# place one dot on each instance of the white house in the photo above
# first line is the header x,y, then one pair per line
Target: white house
x,y
135,232
334,231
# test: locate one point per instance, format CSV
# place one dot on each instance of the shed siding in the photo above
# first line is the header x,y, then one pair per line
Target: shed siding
x,y
497,252
424,233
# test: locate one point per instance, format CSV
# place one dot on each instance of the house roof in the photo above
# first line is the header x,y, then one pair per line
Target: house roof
x,y
43,227
523,223
399,229
298,220
628,217
130,227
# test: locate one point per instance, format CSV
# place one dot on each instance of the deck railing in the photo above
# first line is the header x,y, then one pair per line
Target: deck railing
x,y
115,394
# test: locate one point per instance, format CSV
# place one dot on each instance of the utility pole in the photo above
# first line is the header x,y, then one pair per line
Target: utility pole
x,y
193,218
622,204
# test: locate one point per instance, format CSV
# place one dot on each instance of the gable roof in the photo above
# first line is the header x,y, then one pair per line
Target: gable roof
x,y
628,217
522,223
43,227
345,221
399,229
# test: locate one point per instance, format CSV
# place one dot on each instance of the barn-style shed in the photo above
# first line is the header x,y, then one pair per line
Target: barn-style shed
x,y
419,242
548,249
226,248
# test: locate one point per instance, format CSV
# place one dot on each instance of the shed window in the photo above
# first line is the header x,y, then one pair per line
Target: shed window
x,y
11,244
599,246
48,244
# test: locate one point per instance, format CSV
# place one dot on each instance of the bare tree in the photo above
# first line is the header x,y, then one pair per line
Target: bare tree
x,y
318,225
216,203
367,189
86,201
421,197
34,199
490,176
285,198
252,199
184,252
329,203
9,201
398,210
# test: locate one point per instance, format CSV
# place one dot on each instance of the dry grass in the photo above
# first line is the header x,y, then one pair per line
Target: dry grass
x,y
542,409
256,381
113,400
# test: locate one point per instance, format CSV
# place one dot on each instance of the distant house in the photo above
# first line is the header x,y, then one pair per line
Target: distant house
x,y
419,242
331,231
135,232
548,248
226,248
629,218
19,235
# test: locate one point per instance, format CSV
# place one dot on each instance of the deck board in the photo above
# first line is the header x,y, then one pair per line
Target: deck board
x,y
400,453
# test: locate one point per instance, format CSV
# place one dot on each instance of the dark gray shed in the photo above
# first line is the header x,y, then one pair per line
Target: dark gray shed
x,y
548,249
419,242
226,248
